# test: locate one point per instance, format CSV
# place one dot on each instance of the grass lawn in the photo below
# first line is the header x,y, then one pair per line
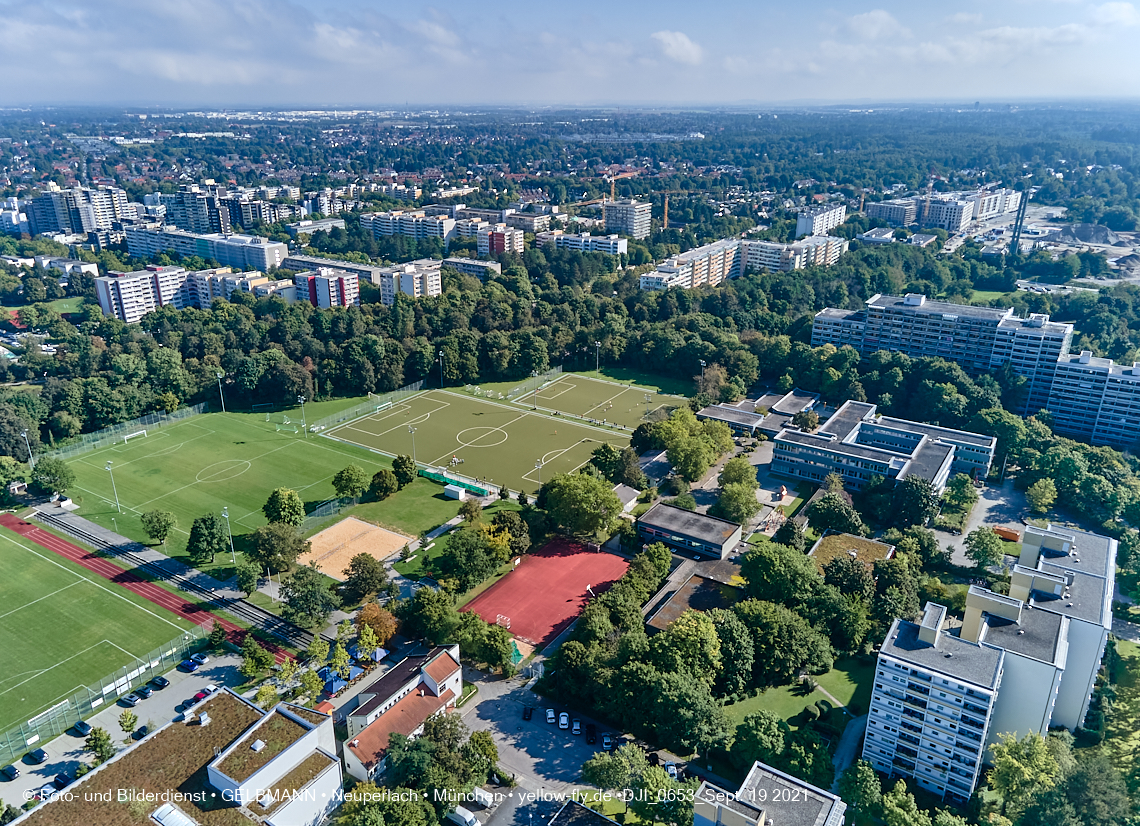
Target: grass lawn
x,y
419,507
203,464
1122,728
804,492
61,305
95,627
986,296
424,560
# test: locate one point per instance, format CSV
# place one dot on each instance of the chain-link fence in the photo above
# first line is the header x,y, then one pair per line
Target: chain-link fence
x,y
327,508
88,699
534,381
373,403
108,436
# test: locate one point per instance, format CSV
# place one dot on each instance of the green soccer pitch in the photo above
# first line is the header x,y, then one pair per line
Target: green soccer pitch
x,y
64,627
203,464
597,399
496,441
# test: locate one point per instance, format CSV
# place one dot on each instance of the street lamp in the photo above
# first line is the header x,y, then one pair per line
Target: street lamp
x,y
597,356
233,555
441,369
304,421
702,375
31,460
116,490
221,395
412,431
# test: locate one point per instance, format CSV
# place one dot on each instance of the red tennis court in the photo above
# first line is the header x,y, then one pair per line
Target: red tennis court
x,y
547,591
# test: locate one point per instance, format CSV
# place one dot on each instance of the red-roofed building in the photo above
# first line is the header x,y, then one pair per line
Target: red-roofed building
x,y
400,702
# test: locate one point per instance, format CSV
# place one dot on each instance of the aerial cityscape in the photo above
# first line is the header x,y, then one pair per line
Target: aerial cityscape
x,y
452,416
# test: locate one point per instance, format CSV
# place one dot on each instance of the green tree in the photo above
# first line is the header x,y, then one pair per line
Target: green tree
x,y
287,674
366,641
860,788
248,577
785,643
128,722
284,505
686,501
52,476
914,501
516,528
364,575
660,799
831,512
618,769
350,482
1022,769
208,537
1041,495
960,491
737,503
777,573
405,470
306,597
851,576
471,509
158,524
691,457
277,546
984,547
341,663
99,743
760,736
256,660
582,504
431,613
806,420
739,471
688,645
384,484
607,459
266,697
900,809
218,636
311,685
738,653
791,535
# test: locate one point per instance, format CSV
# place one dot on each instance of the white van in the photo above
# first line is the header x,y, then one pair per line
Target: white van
x,y
462,817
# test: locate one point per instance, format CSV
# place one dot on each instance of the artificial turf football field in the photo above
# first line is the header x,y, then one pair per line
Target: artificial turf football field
x,y
496,441
62,627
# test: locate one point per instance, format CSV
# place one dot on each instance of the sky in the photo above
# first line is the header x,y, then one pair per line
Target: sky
x,y
381,53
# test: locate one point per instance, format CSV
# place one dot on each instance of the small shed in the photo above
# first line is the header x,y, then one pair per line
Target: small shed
x,y
455,492
17,488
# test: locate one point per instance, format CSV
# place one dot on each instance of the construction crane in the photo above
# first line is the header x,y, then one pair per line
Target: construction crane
x,y
1019,222
616,177
667,193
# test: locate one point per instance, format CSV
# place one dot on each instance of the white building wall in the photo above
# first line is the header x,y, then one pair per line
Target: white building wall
x,y
313,807
1025,700
1086,647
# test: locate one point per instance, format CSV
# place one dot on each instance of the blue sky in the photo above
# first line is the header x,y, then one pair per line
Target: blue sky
x,y
577,52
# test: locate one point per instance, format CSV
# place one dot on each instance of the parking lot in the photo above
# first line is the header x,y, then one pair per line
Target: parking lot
x,y
67,751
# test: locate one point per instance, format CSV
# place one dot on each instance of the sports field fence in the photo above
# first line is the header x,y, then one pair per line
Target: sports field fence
x,y
371,405
533,382
116,432
88,699
327,508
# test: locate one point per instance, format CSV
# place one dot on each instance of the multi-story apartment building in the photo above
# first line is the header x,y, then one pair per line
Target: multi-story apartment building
x,y
471,227
239,251
629,217
327,287
814,251
529,221
949,213
473,266
308,227
583,241
194,210
977,338
819,220
898,212
301,263
1096,399
128,296
79,210
412,223
1020,663
414,279
713,263
858,445
499,238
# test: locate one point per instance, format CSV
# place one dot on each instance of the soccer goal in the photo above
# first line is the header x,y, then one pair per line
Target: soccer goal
x,y
503,620
264,406
128,436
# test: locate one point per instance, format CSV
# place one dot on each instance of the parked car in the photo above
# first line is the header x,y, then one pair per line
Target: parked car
x,y
576,728
201,659
189,666
671,770
528,712
199,697
82,728
131,700
38,756
45,792
550,717
591,734
607,742
10,772
160,683
564,721
62,781
211,689
144,691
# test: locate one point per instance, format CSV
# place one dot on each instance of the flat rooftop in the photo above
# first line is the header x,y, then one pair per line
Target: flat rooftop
x,y
727,413
929,307
844,420
786,800
953,656
1038,635
936,432
835,545
927,460
689,523
697,593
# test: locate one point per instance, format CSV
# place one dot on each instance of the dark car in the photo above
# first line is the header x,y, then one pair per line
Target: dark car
x,y
189,666
160,683
38,756
10,772
82,728
528,712
144,691
591,733
62,781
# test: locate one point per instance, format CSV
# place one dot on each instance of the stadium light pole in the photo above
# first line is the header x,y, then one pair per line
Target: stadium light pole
x,y
233,555
441,369
115,489
412,431
221,395
304,421
597,356
31,459
702,375
534,398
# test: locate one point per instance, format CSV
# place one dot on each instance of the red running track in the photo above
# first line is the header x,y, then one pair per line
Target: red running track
x,y
547,591
129,580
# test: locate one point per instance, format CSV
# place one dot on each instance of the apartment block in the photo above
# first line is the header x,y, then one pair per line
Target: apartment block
x,y
78,210
814,251
977,338
301,263
193,209
714,263
1019,664
857,444
583,242
412,223
528,221
1096,399
473,266
500,238
308,227
898,212
820,220
128,296
239,251
415,279
629,217
327,287
948,213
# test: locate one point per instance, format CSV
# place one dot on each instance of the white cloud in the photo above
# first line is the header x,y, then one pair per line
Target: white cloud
x,y
877,24
1116,14
1069,34
964,17
677,46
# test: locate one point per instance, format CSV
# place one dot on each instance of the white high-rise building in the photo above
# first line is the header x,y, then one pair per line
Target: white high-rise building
x,y
820,220
239,251
710,264
412,223
415,279
128,296
327,287
629,217
949,213
584,242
